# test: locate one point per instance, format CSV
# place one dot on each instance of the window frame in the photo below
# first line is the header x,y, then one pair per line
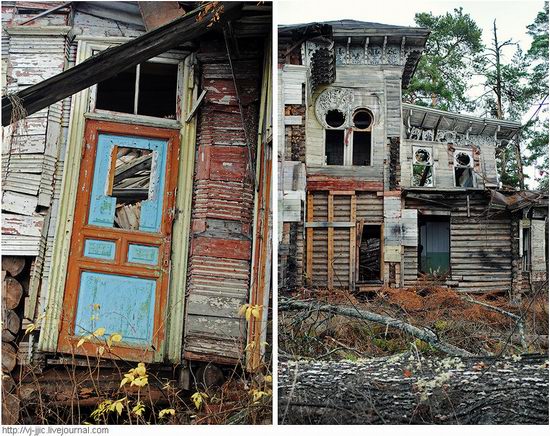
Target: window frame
x,y
156,60
349,129
415,148
470,167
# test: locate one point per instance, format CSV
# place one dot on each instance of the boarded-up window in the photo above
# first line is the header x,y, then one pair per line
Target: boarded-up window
x,y
434,246
331,239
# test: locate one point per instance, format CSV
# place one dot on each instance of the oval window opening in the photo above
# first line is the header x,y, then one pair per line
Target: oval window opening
x,y
422,156
463,159
334,118
362,119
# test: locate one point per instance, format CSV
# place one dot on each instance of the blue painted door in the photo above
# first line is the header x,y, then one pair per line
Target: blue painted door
x,y
117,282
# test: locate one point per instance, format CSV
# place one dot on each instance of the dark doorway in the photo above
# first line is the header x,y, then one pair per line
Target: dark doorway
x,y
434,248
369,254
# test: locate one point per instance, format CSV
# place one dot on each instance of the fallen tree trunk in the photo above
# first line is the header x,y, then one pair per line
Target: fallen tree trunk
x,y
398,390
353,312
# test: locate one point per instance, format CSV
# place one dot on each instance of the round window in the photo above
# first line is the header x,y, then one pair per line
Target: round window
x,y
463,159
335,118
422,156
362,119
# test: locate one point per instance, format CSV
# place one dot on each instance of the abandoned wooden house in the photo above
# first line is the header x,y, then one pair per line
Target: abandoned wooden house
x,y
374,191
136,172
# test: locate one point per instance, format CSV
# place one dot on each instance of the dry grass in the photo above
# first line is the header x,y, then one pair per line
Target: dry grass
x,y
446,312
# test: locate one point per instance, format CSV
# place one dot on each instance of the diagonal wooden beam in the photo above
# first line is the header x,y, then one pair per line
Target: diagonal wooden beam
x,y
115,59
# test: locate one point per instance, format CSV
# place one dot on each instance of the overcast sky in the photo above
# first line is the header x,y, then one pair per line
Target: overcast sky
x,y
512,18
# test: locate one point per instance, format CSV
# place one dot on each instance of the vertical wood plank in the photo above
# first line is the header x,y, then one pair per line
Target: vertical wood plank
x,y
352,239
309,237
330,248
382,253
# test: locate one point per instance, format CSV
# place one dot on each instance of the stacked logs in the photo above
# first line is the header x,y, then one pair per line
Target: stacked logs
x,y
12,299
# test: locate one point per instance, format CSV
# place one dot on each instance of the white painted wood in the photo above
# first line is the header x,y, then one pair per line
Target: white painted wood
x,y
19,203
293,120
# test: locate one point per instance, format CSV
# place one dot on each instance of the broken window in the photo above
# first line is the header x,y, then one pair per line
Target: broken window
x,y
345,144
130,185
370,254
334,147
361,147
146,89
422,167
434,245
464,169
335,118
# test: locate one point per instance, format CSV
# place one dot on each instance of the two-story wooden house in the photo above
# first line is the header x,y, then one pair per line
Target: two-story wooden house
x,y
377,192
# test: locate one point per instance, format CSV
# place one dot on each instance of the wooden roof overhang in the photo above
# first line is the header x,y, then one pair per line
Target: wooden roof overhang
x,y
429,118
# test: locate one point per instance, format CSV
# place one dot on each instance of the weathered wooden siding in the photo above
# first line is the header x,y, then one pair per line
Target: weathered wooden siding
x,y
223,198
481,247
443,163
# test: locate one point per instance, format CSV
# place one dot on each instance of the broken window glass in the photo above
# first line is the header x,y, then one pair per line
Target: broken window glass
x,y
422,167
335,118
146,89
464,173
334,147
361,148
130,185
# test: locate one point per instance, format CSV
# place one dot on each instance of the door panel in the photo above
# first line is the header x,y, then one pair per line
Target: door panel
x,y
120,247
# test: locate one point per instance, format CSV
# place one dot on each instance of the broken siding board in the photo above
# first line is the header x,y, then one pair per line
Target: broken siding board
x,y
18,225
19,203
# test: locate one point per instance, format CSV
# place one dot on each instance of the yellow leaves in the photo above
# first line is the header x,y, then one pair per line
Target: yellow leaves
x,y
250,310
82,340
136,376
268,379
198,398
117,405
99,332
31,327
140,370
165,412
101,350
257,394
138,409
115,337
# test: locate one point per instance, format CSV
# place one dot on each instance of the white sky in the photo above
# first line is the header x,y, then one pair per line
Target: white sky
x,y
512,18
